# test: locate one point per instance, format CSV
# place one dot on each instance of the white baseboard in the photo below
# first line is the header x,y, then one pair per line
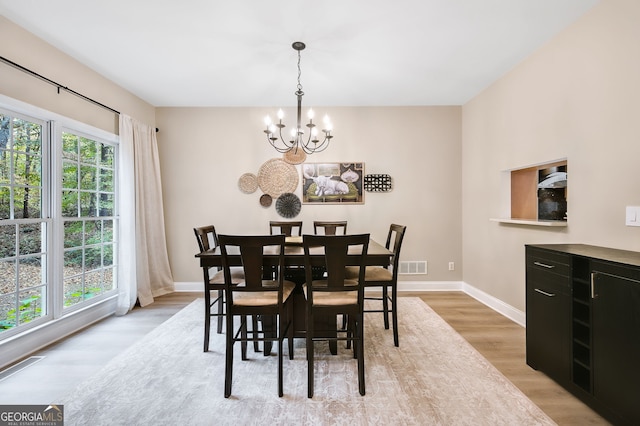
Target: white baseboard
x,y
187,287
492,302
515,315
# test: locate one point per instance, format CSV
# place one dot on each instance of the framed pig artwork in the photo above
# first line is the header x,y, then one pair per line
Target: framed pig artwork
x,y
332,183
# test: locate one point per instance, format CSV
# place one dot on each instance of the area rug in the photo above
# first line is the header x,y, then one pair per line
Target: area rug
x,y
434,378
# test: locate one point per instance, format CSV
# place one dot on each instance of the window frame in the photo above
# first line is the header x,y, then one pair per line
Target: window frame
x,y
51,216
60,220
44,219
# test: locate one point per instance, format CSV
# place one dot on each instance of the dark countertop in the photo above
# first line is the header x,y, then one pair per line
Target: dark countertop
x,y
624,257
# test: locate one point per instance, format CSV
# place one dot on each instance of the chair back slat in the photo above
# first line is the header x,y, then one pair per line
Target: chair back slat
x,y
287,228
330,228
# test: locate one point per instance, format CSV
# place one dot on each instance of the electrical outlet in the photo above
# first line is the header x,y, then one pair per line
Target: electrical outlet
x,y
452,266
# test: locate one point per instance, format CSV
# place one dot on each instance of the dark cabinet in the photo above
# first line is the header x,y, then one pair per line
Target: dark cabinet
x,y
583,324
548,313
616,339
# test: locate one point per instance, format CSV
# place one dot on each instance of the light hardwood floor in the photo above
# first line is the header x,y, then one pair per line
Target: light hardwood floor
x,y
67,363
502,342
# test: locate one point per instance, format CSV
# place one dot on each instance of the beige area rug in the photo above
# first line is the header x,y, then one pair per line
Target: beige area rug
x,y
434,378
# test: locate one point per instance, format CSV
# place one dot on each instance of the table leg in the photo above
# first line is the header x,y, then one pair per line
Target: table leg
x,y
268,327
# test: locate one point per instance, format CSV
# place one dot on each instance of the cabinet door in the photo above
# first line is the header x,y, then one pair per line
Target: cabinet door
x,y
548,322
616,339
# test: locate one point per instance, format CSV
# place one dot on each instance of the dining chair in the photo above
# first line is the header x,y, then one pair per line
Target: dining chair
x,y
385,279
257,297
287,228
329,228
213,281
335,295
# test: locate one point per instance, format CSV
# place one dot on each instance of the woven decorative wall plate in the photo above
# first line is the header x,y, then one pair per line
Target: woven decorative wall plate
x,y
276,177
295,156
248,183
265,200
377,183
288,205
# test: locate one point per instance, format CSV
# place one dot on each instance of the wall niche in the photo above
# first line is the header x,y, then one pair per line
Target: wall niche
x,y
535,195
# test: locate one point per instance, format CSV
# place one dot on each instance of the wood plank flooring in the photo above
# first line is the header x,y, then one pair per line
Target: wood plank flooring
x,y
502,342
67,363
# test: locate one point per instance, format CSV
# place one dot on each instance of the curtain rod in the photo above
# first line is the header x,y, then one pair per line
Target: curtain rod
x,y
58,85
53,83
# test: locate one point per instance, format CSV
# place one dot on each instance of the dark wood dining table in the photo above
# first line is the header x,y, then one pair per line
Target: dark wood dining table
x,y
377,255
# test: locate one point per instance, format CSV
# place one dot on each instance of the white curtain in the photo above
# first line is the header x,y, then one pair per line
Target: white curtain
x,y
144,271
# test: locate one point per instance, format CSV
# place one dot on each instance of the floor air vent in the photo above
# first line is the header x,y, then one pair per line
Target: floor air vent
x,y
10,371
414,267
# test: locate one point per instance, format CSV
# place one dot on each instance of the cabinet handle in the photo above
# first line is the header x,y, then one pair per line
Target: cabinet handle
x,y
544,292
593,285
544,265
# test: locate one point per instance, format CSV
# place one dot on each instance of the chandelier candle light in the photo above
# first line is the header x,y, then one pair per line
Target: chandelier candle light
x,y
310,143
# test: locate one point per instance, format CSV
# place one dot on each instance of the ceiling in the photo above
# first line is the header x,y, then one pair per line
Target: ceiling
x,y
238,53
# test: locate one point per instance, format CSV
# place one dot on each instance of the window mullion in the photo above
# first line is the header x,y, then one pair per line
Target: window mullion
x,y
56,234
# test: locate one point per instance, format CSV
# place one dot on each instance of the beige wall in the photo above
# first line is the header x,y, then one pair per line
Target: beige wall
x,y
25,49
576,97
204,151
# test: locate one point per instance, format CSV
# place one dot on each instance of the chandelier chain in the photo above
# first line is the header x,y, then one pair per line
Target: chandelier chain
x,y
299,73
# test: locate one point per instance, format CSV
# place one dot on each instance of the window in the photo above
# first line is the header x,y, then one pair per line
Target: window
x,y
58,220
23,229
87,207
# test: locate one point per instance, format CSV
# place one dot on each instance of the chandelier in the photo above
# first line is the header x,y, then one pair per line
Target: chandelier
x,y
309,141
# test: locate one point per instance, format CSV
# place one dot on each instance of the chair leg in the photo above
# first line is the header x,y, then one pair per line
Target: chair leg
x,y
256,347
290,327
394,314
385,307
347,326
243,337
360,344
220,303
309,356
353,334
228,370
280,349
207,319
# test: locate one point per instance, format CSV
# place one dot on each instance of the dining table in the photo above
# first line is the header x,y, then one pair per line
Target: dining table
x,y
377,255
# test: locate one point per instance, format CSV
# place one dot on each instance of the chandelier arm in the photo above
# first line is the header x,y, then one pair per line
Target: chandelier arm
x,y
323,145
284,146
276,147
312,147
